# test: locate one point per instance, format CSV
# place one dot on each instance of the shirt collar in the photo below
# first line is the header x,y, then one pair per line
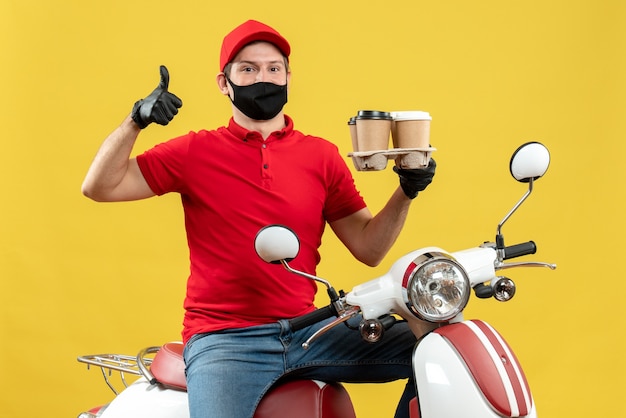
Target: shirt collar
x,y
242,133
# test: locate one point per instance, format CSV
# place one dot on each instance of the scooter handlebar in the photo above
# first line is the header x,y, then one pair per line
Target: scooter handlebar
x,y
314,317
519,250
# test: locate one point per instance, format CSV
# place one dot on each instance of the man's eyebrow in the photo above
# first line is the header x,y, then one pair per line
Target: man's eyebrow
x,y
260,62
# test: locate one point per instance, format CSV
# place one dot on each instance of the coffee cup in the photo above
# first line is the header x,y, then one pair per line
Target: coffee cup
x,y
353,136
411,129
372,130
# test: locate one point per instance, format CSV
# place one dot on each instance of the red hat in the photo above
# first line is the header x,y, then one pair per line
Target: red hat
x,y
247,32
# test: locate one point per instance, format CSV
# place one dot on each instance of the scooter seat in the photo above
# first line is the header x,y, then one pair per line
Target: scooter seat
x,y
306,398
168,366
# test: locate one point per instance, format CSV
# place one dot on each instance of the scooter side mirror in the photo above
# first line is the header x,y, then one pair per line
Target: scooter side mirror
x,y
529,162
275,243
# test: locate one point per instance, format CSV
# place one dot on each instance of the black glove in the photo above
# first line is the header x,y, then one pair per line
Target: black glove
x,y
414,181
160,106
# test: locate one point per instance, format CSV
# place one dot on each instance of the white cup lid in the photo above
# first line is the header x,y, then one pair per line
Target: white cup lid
x,y
411,115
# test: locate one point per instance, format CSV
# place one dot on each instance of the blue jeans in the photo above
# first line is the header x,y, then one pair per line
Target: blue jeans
x,y
228,372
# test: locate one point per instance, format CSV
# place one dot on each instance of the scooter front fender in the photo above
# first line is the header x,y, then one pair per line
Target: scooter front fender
x,y
466,369
143,400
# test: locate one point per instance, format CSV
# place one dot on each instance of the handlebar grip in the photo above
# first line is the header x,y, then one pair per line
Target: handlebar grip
x,y
519,250
314,317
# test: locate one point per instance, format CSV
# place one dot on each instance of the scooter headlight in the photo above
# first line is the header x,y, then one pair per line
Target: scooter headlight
x,y
437,287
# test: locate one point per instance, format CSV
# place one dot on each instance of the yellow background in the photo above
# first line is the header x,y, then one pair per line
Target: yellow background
x,y
79,277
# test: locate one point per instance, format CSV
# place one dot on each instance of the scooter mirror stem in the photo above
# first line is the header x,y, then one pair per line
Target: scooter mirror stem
x,y
331,291
499,236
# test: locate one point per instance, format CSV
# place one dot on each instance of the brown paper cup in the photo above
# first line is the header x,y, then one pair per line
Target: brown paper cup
x,y
372,130
411,129
352,126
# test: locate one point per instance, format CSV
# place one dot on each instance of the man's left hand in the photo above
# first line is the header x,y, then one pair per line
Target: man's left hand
x,y
415,180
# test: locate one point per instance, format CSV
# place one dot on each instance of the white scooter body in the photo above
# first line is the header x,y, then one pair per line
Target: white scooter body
x,y
143,400
464,368
467,370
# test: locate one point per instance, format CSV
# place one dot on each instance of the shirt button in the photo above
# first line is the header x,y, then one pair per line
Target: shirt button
x,y
265,165
264,145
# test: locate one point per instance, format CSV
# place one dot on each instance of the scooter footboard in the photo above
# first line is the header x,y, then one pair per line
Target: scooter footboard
x,y
467,369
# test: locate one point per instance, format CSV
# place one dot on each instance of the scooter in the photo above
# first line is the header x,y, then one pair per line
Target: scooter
x,y
461,367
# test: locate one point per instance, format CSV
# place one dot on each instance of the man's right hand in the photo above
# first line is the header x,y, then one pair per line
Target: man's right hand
x,y
160,106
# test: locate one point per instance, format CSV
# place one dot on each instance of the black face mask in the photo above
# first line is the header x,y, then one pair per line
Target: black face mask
x,y
259,101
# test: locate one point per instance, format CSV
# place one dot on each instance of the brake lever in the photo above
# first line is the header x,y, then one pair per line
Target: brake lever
x,y
503,266
346,315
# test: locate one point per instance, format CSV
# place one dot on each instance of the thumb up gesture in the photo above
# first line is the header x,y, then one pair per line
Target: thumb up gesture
x,y
160,106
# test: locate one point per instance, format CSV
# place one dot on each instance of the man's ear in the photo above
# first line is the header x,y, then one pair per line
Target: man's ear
x,y
222,83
